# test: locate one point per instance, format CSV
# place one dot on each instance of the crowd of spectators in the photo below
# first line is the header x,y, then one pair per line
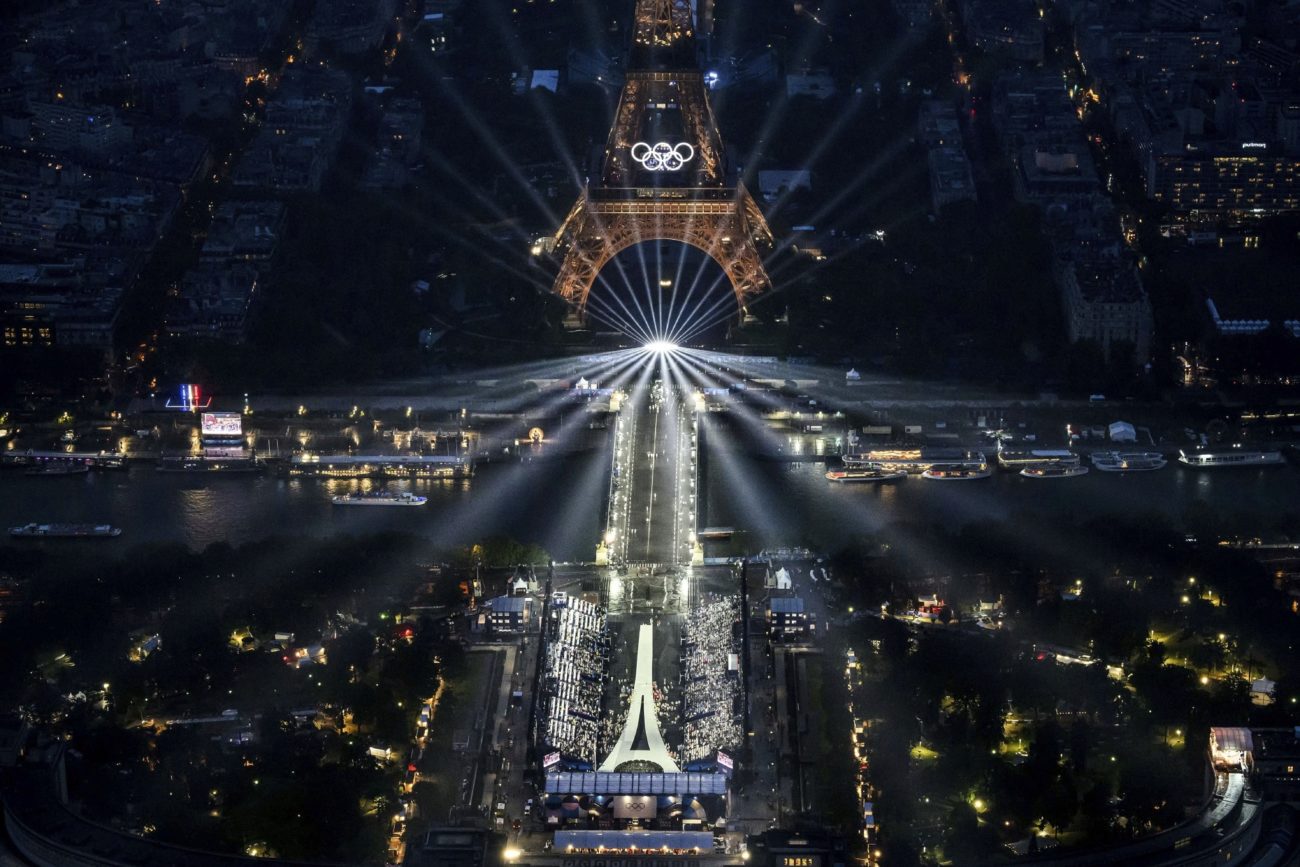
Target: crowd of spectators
x,y
710,677
573,679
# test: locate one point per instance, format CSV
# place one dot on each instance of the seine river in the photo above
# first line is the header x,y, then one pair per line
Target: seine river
x,y
559,503
773,496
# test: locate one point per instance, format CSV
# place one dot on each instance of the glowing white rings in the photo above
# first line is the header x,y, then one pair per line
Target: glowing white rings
x,y
661,156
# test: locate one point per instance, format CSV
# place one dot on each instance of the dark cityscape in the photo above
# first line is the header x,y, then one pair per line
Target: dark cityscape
x,y
347,346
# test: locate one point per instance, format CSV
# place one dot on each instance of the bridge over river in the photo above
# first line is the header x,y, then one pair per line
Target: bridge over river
x,y
649,541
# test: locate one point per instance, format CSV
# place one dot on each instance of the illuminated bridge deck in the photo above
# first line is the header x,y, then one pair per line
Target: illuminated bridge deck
x,y
652,500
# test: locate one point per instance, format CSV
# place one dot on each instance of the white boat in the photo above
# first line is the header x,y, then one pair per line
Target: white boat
x,y
957,474
1053,471
1127,462
379,498
1011,457
1232,456
865,475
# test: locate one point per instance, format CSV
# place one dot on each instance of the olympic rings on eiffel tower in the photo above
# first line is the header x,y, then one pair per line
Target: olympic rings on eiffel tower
x,y
661,156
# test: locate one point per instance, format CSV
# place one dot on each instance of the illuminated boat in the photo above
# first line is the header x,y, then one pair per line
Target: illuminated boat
x,y
1127,462
915,460
1054,471
957,474
1234,456
865,475
379,498
65,531
381,466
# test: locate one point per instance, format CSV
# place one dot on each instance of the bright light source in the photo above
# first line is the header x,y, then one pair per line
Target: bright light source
x,y
661,347
512,854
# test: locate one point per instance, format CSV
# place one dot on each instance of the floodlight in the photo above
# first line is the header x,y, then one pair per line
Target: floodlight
x,y
660,347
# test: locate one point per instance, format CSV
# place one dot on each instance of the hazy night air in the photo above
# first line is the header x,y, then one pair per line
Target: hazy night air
x,y
649,433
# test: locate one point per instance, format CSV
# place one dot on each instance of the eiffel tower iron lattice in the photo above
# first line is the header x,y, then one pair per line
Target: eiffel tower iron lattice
x,y
663,176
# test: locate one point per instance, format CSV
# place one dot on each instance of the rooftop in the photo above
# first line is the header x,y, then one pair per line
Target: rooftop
x,y
617,783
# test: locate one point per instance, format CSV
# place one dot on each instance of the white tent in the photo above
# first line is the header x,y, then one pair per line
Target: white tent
x,y
1122,432
783,581
1261,691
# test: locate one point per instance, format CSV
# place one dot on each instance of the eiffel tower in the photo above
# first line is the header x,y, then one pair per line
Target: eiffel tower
x,y
663,176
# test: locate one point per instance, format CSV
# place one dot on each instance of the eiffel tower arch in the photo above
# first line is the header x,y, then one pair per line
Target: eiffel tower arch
x,y
663,176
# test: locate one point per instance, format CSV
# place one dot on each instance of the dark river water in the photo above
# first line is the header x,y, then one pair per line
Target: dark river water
x,y
559,503
772,497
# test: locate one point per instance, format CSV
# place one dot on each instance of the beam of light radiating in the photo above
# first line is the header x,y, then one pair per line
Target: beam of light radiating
x,y
566,527
739,483
824,143
538,367
629,322
642,317
642,322
671,317
695,366
701,320
882,161
682,328
495,148
652,320
718,310
492,494
906,520
626,321
620,317
616,368
508,34
608,369
777,114
712,308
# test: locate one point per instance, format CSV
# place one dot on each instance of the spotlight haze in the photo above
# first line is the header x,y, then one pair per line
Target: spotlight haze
x,y
660,347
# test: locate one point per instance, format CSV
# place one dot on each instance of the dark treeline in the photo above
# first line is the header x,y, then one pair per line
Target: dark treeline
x,y
981,739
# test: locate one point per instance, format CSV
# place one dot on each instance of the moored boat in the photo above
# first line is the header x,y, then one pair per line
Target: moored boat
x,y
65,531
957,474
1017,456
1127,462
59,468
916,460
1054,471
379,498
1231,456
865,475
206,464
